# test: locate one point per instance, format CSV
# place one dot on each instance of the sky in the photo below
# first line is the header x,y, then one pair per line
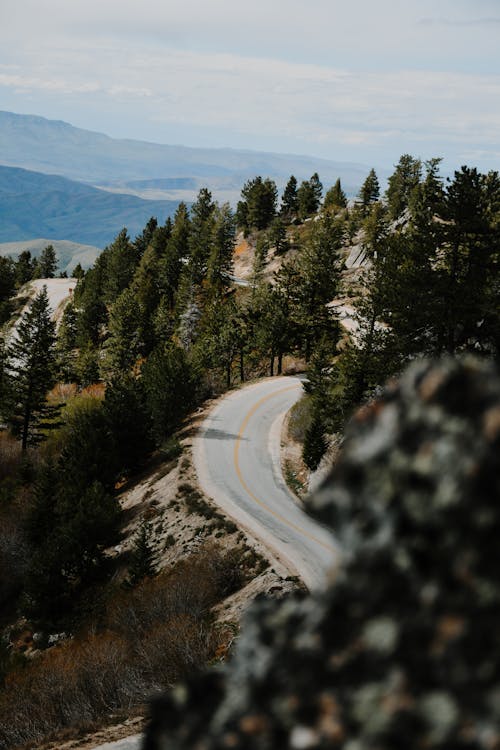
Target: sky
x,y
347,80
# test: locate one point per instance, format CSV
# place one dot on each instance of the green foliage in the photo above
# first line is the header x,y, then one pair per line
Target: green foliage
x,y
257,208
309,196
289,200
278,235
220,262
142,557
370,191
335,198
7,287
123,346
122,258
402,183
315,443
66,353
24,267
46,265
30,368
129,422
170,388
79,522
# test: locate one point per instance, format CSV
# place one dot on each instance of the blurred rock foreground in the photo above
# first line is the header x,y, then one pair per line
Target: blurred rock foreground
x,y
403,649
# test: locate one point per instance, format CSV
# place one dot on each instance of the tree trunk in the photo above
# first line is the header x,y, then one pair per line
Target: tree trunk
x,y
280,363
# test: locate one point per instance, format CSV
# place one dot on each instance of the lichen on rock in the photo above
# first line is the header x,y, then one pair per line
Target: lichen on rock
x,y
402,650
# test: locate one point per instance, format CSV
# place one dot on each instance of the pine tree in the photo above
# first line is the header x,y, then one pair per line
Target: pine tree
x,y
320,265
289,200
129,422
7,288
143,240
46,265
315,443
370,191
143,557
309,196
220,263
277,236
402,183
259,199
170,388
175,255
78,272
31,361
24,268
335,197
66,353
123,346
121,260
200,239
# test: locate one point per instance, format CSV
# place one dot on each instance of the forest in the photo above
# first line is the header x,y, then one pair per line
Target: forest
x,y
157,326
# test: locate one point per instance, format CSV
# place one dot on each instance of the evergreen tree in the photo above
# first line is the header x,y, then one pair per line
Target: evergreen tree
x,y
320,265
200,239
147,292
31,362
315,443
309,196
123,346
89,301
78,523
122,258
471,261
7,278
176,254
46,265
260,197
142,557
129,422
7,288
370,191
24,268
170,388
78,272
277,236
66,353
289,200
335,197
143,240
402,183
220,263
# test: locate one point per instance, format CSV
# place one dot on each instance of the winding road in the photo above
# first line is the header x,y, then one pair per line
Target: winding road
x,y
237,459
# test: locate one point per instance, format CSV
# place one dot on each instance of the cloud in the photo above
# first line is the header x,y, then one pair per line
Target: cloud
x,y
469,22
320,77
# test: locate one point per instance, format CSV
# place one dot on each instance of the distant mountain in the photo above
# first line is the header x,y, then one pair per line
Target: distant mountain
x,y
34,205
56,147
69,254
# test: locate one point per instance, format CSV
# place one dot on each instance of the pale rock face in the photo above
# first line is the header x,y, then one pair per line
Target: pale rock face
x,y
403,649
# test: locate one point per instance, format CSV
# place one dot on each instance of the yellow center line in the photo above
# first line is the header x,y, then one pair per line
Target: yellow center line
x,y
245,486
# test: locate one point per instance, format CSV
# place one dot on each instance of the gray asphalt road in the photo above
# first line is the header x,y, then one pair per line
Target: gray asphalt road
x,y
128,743
237,460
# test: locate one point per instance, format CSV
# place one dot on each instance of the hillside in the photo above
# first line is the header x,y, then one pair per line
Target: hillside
x,y
69,254
34,205
43,145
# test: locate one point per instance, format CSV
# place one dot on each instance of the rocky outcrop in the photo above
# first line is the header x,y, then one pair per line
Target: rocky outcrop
x,y
403,649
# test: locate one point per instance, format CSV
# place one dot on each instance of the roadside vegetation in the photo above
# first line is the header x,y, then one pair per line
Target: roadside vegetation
x,y
156,327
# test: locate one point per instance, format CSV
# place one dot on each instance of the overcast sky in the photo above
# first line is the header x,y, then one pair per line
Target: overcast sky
x,y
351,80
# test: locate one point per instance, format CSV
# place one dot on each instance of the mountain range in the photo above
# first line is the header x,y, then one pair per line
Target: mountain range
x,y
59,182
